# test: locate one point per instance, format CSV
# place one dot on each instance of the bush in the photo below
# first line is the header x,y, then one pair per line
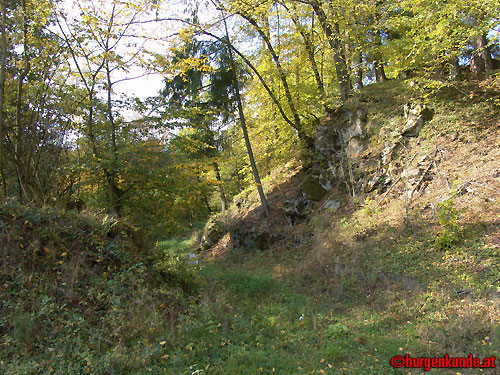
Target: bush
x,y
448,217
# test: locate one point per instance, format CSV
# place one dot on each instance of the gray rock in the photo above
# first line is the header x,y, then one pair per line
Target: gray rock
x,y
416,117
252,240
338,131
380,182
212,233
411,175
296,210
354,148
316,185
332,204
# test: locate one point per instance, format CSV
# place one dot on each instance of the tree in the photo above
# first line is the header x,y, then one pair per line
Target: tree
x,y
244,13
332,32
34,109
94,42
255,171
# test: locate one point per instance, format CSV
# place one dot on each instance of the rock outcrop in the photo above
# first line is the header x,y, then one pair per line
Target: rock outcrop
x,y
212,233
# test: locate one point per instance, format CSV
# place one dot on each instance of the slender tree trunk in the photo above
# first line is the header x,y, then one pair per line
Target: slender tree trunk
x,y
359,72
378,63
19,138
4,183
205,200
309,46
255,171
453,68
348,61
272,95
332,33
220,189
281,73
115,193
3,59
379,71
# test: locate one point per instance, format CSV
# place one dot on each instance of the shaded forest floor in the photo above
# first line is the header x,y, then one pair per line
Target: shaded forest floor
x,y
340,293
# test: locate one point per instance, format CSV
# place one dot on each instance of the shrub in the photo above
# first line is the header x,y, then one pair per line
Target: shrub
x,y
448,216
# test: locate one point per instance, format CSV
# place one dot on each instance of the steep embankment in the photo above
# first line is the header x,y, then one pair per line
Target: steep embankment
x,y
404,249
78,296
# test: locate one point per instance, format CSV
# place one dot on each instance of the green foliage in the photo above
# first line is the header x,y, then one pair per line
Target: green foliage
x,y
173,257
448,217
248,285
78,294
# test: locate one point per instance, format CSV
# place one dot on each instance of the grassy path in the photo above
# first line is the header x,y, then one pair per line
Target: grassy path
x,y
247,322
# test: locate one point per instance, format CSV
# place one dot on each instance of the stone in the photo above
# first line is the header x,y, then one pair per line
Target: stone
x,y
380,182
411,175
338,130
212,233
296,210
312,187
252,240
332,205
389,152
416,116
354,148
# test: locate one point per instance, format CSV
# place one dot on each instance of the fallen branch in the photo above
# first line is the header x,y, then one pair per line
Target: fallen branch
x,y
442,173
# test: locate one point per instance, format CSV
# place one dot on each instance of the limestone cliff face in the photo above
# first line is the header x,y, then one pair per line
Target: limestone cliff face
x,y
343,159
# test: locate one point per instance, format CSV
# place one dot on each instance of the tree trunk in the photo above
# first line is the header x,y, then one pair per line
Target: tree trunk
x,y
359,72
302,135
309,46
205,199
281,73
378,63
255,171
343,78
379,71
481,61
18,134
220,189
3,59
453,68
115,193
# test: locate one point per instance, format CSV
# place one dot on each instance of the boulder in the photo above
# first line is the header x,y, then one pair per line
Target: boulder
x,y
315,186
411,176
341,130
296,210
379,182
332,205
212,233
416,116
251,240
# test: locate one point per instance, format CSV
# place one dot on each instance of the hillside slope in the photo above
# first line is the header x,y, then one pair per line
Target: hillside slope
x,y
417,258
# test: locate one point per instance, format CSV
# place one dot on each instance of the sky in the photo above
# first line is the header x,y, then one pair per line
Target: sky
x,y
146,85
